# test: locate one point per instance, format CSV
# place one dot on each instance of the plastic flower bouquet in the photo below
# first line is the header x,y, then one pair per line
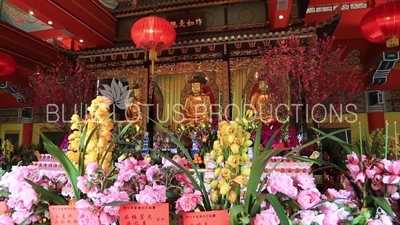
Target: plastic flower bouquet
x,y
25,189
150,185
90,142
373,182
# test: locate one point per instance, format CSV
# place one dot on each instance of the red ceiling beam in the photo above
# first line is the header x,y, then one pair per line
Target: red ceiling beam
x,y
62,19
89,13
279,14
26,46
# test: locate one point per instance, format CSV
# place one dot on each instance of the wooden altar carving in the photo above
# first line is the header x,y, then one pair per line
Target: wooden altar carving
x,y
252,65
159,100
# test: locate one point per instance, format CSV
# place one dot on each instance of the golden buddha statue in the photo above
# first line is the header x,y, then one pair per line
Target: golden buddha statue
x,y
260,102
197,107
133,111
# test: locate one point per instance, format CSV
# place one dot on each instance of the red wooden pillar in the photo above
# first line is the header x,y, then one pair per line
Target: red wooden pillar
x,y
27,130
376,120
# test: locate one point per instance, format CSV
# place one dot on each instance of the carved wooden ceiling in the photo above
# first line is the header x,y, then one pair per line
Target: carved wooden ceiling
x,y
29,28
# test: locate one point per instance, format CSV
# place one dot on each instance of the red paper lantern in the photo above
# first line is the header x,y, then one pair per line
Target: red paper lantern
x,y
382,24
153,34
7,65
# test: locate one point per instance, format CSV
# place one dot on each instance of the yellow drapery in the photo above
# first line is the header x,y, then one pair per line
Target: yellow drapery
x,y
171,86
240,78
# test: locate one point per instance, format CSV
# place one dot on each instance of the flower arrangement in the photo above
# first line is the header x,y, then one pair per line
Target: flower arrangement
x,y
10,156
90,142
147,184
99,191
98,127
376,182
26,204
232,162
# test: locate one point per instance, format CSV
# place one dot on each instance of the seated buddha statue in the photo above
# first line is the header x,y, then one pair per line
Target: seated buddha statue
x,y
197,108
133,111
260,103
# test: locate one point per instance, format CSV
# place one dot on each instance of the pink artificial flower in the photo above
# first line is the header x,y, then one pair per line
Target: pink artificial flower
x,y
376,186
283,183
353,158
328,206
373,170
113,195
393,172
308,217
106,218
335,216
189,202
267,217
86,213
153,170
152,195
181,161
391,189
28,197
341,195
20,215
305,181
375,222
6,220
91,168
181,177
386,220
308,198
82,185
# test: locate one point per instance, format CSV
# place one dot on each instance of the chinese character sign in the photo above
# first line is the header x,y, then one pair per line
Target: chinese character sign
x,y
188,22
63,214
142,214
219,217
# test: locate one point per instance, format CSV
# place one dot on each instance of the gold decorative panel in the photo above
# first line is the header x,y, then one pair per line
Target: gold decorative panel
x,y
213,68
252,65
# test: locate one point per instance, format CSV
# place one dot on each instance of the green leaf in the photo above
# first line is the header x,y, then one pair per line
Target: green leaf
x,y
234,213
257,141
4,194
25,221
201,187
346,146
114,141
50,196
384,204
257,170
119,203
69,167
356,220
274,201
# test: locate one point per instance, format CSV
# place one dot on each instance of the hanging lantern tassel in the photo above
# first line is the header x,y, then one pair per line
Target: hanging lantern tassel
x,y
153,58
382,24
392,42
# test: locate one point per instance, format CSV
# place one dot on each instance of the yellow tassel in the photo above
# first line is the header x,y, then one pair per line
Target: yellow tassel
x,y
392,42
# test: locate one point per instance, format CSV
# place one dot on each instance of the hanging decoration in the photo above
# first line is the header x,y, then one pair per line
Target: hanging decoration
x,y
7,65
153,34
382,24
